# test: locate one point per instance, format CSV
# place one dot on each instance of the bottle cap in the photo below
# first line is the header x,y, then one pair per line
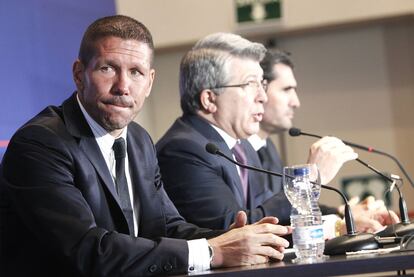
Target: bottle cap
x,y
301,171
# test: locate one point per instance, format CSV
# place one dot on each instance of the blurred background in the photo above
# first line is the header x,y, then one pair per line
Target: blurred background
x,y
354,63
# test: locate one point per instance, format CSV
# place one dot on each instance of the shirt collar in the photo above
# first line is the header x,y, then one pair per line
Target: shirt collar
x,y
229,140
104,139
257,142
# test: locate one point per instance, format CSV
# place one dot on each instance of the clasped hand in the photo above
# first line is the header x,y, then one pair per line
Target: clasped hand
x,y
250,244
370,215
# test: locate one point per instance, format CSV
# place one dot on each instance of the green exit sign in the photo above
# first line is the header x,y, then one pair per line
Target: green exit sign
x,y
257,10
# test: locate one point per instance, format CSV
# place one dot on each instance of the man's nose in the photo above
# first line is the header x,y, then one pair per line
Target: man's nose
x,y
121,85
295,100
262,96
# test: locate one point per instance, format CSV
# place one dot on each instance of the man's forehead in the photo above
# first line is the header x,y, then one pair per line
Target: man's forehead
x,y
131,45
122,46
247,67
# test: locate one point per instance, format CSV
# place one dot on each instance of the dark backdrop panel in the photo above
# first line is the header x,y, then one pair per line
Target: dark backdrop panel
x,y
39,42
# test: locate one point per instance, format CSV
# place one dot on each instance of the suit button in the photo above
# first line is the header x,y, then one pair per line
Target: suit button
x,y
167,267
153,268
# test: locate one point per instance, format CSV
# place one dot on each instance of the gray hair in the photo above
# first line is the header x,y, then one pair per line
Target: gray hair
x,y
205,66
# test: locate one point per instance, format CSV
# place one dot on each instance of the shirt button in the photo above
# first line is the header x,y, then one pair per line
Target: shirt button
x,y
167,267
152,268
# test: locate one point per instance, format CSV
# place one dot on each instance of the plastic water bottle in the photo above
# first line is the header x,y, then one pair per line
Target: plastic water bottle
x,y
306,218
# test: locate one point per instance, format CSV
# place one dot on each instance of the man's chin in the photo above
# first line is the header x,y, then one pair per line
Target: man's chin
x,y
252,131
287,125
115,125
281,128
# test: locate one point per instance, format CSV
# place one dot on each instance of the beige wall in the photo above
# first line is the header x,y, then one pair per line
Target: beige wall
x,y
180,21
177,22
355,81
400,62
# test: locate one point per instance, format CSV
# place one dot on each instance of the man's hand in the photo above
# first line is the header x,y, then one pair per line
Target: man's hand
x,y
241,220
384,217
372,209
376,210
363,224
249,244
329,154
370,215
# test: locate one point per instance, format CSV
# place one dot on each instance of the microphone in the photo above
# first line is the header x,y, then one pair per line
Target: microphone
x,y
294,132
350,242
398,229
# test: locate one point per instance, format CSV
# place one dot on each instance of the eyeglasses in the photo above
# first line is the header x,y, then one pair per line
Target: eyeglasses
x,y
253,84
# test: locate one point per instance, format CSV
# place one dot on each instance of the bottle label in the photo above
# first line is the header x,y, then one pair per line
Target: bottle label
x,y
308,234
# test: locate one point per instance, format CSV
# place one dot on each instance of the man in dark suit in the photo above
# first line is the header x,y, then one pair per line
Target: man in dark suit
x,y
328,153
81,189
222,98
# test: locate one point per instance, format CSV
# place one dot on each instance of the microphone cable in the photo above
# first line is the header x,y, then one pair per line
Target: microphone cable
x,y
393,178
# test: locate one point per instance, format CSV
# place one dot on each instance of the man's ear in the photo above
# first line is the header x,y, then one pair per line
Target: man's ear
x,y
151,81
77,71
208,101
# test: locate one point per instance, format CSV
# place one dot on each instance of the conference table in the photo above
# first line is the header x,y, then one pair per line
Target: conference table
x,y
393,264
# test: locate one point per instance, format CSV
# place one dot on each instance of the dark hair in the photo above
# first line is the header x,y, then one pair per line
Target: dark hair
x,y
271,58
117,26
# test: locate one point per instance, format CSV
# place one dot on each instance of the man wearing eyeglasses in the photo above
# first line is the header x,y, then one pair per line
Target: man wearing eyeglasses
x,y
222,97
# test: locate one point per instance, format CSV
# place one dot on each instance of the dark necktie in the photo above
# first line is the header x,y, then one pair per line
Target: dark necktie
x,y
121,182
240,156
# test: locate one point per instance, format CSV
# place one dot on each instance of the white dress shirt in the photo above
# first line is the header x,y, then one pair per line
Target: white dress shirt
x,y
257,142
229,140
198,252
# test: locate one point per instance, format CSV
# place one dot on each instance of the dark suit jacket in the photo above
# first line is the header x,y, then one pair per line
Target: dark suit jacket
x,y
61,215
270,160
206,189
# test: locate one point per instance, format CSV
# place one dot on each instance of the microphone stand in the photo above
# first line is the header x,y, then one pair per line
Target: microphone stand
x,y
350,242
405,227
297,132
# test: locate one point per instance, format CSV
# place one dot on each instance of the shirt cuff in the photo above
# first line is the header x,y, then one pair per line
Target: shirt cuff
x,y
198,255
329,225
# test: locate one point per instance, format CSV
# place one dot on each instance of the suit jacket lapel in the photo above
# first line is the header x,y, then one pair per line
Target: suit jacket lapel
x,y
146,184
212,136
78,127
274,156
138,190
270,160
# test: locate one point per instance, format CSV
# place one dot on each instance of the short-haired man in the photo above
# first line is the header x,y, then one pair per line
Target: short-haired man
x,y
81,189
328,153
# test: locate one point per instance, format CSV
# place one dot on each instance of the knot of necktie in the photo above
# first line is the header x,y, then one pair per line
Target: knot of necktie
x,y
239,153
119,148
